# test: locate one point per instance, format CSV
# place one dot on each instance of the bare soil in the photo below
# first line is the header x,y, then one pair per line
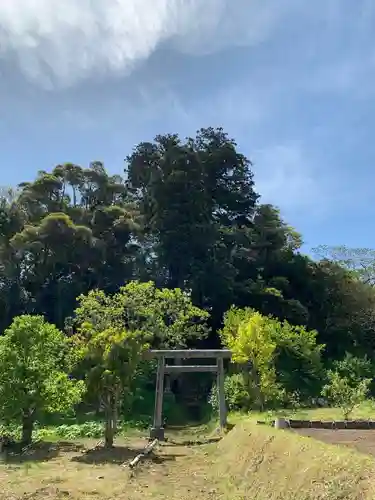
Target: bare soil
x,y
362,440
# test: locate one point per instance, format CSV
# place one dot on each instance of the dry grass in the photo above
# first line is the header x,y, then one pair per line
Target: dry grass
x,y
250,462
283,465
176,471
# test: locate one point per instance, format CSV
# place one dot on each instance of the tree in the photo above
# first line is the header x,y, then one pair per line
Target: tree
x,y
341,309
53,257
186,216
360,261
13,298
35,361
110,358
252,344
267,262
280,357
353,368
298,362
168,316
61,235
194,195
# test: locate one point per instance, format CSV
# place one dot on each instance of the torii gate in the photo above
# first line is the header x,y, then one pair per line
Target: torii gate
x,y
157,431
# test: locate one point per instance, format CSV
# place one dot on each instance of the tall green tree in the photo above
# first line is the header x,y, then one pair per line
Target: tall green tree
x,y
194,195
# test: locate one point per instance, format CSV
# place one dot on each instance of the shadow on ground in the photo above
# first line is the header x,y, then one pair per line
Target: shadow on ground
x,y
193,442
40,452
119,455
100,455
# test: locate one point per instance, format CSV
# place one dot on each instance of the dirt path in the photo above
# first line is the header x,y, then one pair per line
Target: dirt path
x,y
361,440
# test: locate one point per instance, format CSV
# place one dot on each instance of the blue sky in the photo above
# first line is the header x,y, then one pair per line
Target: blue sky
x,y
293,81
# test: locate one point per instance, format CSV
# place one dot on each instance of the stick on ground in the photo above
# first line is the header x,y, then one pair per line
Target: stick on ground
x,y
144,453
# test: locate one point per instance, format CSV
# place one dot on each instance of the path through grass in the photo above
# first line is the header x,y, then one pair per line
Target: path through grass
x,y
250,462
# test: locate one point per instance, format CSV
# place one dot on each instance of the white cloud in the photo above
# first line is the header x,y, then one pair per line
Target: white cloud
x,y
59,42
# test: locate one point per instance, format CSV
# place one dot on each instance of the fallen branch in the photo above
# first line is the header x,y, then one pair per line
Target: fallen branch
x,y
144,453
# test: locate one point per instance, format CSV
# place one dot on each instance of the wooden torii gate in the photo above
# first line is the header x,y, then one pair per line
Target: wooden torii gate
x,y
157,431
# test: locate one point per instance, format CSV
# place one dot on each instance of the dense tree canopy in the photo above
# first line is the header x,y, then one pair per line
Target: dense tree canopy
x,y
185,215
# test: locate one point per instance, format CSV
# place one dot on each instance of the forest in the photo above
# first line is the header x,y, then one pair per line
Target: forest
x,y
175,251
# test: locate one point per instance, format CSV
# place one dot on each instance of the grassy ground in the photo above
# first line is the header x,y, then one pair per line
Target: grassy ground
x,y
364,411
251,461
261,463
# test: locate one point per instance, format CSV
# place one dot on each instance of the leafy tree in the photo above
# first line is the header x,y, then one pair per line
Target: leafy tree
x,y
110,358
35,361
252,343
53,257
167,315
194,196
267,266
185,216
288,356
68,231
298,362
341,310
345,394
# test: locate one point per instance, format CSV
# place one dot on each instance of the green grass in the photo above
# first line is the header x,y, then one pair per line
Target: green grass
x,y
90,426
365,411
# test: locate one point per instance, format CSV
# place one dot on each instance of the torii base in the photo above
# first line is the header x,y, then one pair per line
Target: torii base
x,y
157,433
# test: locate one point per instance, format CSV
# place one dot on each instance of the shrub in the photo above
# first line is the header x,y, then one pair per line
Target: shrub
x,y
237,394
343,393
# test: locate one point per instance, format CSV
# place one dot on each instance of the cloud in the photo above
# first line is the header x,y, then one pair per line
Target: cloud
x,y
59,42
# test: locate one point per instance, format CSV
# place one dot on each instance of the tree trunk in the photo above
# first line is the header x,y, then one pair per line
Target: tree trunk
x,y
109,431
27,427
256,378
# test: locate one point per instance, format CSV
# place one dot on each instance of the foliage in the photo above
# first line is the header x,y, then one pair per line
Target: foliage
x,y
359,261
344,394
168,246
283,358
353,368
237,395
110,358
167,316
253,344
299,364
34,372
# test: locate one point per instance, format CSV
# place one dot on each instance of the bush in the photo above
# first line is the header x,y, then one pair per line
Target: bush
x,y
344,393
237,394
353,368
